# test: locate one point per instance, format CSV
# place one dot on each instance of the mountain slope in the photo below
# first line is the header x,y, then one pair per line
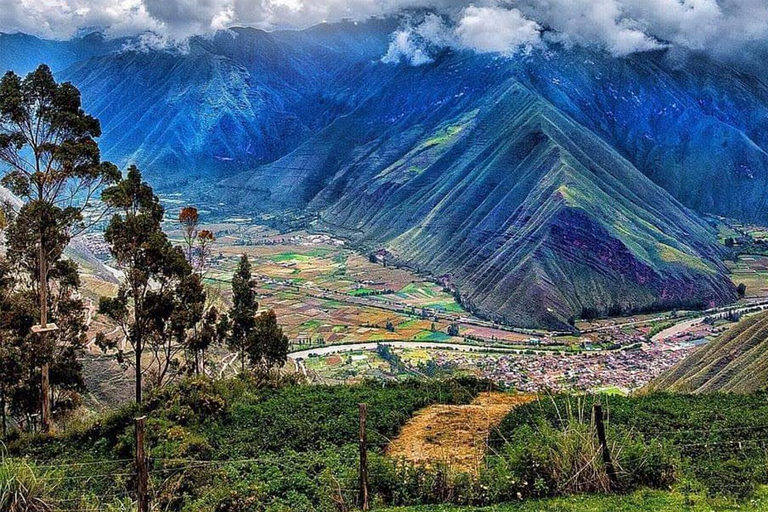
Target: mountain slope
x,y
229,102
735,362
543,186
530,216
22,53
696,127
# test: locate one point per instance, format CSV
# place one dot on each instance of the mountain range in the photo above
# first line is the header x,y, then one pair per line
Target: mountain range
x,y
552,184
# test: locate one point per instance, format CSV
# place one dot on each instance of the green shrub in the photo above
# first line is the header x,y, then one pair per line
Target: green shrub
x,y
23,490
733,477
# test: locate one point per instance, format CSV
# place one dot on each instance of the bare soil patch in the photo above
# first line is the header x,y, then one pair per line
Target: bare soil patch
x,y
454,435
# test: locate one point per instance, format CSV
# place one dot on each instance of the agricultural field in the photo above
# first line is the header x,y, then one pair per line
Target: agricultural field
x,y
327,295
752,270
352,367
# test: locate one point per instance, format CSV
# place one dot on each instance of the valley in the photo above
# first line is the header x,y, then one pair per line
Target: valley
x,y
339,309
365,264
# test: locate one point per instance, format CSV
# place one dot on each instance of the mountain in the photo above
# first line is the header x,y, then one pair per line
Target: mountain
x,y
220,104
559,183
696,127
532,217
735,362
22,53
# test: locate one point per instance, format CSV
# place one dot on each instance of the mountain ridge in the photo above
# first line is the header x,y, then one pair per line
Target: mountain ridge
x,y
563,171
495,205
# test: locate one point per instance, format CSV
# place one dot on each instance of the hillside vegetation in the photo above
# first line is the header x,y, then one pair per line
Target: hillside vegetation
x,y
734,362
252,445
238,445
719,440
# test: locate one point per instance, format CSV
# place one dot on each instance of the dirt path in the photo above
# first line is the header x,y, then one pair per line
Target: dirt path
x,y
454,434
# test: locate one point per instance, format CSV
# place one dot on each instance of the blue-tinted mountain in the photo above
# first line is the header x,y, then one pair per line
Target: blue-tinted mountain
x,y
533,218
560,183
221,104
22,53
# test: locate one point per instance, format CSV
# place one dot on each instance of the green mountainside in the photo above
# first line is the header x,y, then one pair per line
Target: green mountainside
x,y
735,362
532,218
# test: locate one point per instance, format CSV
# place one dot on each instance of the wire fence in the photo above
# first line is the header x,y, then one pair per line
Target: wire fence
x,y
115,480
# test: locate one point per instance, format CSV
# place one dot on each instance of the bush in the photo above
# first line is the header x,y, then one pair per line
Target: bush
x,y
22,490
733,478
718,438
547,461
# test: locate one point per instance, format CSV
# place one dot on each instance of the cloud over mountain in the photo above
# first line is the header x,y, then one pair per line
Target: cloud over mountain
x,y
732,30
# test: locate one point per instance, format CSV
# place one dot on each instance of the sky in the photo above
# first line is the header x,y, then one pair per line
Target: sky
x,y
732,30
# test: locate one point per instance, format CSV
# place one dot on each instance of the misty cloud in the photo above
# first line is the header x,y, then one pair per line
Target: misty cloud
x,y
733,30
496,30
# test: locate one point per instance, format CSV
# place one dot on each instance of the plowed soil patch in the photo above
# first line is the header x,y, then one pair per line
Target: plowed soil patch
x,y
455,435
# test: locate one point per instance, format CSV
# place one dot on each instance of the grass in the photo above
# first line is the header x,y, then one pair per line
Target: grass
x,y
720,438
639,501
290,256
432,336
362,291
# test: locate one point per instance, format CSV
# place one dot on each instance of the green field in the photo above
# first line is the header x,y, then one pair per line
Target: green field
x,y
640,501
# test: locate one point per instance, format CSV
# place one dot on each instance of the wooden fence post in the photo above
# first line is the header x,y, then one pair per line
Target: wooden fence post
x,y
597,413
142,467
363,459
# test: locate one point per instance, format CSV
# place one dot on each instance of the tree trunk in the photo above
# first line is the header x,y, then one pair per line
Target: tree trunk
x,y
2,408
45,406
138,349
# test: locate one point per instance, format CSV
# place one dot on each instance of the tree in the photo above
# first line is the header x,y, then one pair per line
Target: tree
x,y
741,289
212,332
204,240
159,297
189,218
47,143
9,355
242,316
267,345
22,353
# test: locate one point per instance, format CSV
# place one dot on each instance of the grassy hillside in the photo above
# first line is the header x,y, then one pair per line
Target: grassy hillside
x,y
233,446
735,362
241,446
719,439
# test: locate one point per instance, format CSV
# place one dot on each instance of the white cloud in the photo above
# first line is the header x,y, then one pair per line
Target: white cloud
x,y
735,30
61,19
417,43
496,30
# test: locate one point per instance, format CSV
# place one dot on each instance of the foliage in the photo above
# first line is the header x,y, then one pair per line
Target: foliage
x,y
267,346
639,501
161,299
251,444
23,353
45,120
259,340
51,160
22,489
719,438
